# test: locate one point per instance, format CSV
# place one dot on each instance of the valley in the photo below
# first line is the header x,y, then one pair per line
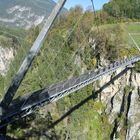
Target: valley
x,y
24,14
78,43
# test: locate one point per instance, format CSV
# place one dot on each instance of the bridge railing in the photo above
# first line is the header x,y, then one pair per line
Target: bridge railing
x,y
28,104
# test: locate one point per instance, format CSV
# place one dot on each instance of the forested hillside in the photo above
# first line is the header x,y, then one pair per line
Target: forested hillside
x,y
79,41
62,57
123,8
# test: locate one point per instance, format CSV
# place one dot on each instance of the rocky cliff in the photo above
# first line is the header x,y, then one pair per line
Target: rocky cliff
x,y
120,94
121,99
6,56
24,14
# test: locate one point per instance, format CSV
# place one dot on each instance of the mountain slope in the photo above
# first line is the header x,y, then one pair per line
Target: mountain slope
x,y
24,13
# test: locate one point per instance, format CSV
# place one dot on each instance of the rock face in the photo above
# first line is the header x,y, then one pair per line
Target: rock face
x,y
122,101
134,110
6,56
24,13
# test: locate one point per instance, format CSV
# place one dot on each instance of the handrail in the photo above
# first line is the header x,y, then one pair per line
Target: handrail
x,y
52,93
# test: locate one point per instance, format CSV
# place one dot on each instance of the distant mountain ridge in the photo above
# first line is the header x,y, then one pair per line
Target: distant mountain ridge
x,y
24,13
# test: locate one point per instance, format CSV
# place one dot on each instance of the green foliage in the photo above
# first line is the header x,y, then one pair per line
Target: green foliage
x,y
86,122
5,42
21,44
55,63
137,67
1,85
127,89
111,42
88,55
125,8
133,27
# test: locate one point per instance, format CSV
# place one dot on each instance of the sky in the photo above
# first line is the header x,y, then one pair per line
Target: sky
x,y
85,3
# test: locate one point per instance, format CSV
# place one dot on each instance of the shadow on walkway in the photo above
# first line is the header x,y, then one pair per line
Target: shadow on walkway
x,y
93,96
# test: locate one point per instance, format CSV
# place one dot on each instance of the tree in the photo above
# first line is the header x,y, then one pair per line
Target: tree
x,y
123,8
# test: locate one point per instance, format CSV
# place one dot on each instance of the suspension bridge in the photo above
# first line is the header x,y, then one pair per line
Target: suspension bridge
x,y
12,110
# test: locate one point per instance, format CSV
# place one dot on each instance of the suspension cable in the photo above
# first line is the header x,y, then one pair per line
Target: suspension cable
x,y
94,11
137,46
12,89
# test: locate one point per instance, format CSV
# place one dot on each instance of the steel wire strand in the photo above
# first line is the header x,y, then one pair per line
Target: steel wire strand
x,y
77,50
73,55
58,52
65,40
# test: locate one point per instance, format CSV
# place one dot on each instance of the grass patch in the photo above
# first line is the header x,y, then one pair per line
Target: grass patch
x,y
133,28
137,39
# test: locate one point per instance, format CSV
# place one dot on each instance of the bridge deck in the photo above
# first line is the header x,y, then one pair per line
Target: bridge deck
x,y
26,104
